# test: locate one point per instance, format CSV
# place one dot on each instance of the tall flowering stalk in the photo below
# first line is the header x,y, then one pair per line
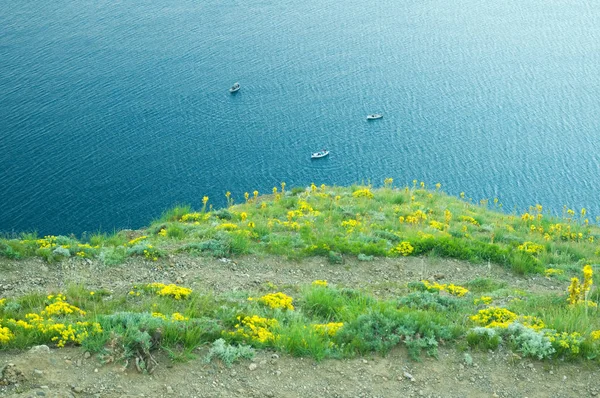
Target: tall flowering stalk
x,y
578,291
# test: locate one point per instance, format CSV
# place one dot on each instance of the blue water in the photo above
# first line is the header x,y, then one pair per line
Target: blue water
x,y
112,111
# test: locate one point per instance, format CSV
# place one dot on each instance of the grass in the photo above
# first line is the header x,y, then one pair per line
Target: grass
x,y
336,222
327,322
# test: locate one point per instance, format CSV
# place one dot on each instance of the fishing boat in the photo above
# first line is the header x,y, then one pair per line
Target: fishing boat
x,y
235,88
374,116
321,154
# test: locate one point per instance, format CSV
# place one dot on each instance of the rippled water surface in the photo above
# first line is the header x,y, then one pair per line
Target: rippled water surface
x,y
112,111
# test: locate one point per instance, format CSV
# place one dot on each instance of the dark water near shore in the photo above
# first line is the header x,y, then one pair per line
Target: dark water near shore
x,y
111,112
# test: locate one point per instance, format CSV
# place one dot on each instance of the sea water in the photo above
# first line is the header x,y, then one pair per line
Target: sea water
x,y
112,111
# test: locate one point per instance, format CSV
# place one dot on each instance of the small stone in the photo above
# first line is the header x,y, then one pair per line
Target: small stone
x,y
253,366
77,389
39,349
40,393
68,361
365,361
278,373
530,365
551,372
274,356
409,376
263,362
87,355
169,390
421,393
96,370
38,372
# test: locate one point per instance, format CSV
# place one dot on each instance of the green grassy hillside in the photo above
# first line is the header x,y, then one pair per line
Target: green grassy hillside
x,y
319,319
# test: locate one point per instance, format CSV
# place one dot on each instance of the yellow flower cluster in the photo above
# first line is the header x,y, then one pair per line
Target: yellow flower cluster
x,y
159,315
46,242
553,271
469,219
595,335
60,333
453,289
328,329
363,193
494,317
175,317
320,283
530,247
2,301
255,328
135,241
527,217
403,248
172,290
61,307
416,217
194,217
276,300
565,342
227,226
5,335
532,322
178,317
162,232
483,300
151,253
388,181
436,225
350,225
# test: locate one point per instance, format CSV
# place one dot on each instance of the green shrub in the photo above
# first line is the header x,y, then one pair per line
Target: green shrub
x,y
222,214
529,342
374,331
175,231
227,353
364,257
335,257
429,301
113,255
484,338
8,252
215,247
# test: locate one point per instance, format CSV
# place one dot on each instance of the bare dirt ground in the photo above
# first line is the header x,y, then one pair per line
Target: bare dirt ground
x,y
70,372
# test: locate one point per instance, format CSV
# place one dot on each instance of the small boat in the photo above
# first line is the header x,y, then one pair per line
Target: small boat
x,y
321,154
235,88
374,116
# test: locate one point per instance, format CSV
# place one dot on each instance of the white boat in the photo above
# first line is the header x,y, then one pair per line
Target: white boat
x,y
235,88
321,154
374,116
